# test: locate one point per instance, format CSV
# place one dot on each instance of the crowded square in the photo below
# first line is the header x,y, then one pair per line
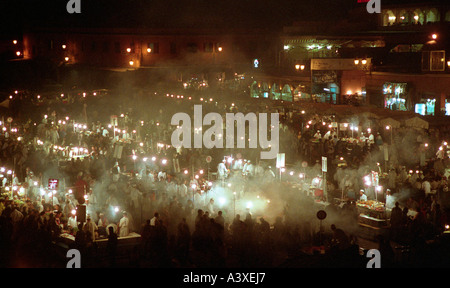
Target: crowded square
x,y
100,160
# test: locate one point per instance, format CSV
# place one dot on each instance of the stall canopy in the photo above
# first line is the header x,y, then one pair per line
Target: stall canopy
x,y
416,122
5,103
369,114
390,122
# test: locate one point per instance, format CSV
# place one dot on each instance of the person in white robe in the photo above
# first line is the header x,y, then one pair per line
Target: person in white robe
x,y
124,224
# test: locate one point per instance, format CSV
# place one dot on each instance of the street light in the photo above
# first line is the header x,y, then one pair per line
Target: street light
x,y
299,67
389,127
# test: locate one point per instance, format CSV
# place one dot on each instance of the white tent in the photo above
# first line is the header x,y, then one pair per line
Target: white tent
x,y
5,103
369,114
416,122
390,122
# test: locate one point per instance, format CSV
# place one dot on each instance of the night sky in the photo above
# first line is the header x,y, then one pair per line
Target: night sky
x,y
170,13
229,14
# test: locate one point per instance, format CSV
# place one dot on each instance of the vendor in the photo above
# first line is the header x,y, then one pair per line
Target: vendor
x,y
362,195
390,199
318,135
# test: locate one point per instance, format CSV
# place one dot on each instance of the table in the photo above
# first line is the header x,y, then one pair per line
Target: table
x,y
132,239
369,208
372,222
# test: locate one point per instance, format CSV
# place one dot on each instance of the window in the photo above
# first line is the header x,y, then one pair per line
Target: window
x,y
105,47
192,47
208,47
406,48
433,61
173,48
437,61
117,47
154,47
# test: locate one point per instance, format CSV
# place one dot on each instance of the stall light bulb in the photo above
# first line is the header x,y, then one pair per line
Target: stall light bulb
x,y
222,201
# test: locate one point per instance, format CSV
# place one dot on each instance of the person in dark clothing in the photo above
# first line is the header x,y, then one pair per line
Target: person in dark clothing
x,y
112,246
145,237
183,240
396,220
340,239
80,238
160,245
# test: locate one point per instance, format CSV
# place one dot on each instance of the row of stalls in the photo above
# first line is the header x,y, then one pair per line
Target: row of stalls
x,y
326,87
350,122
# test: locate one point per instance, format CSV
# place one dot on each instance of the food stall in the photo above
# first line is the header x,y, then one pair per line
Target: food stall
x,y
372,212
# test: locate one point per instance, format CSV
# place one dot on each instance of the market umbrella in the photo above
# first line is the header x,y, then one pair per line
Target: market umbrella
x,y
416,122
390,122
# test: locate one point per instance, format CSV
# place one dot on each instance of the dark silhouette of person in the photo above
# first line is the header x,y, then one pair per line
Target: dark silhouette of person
x,y
396,220
112,246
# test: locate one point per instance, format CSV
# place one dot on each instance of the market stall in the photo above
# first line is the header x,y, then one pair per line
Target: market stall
x,y
372,211
132,239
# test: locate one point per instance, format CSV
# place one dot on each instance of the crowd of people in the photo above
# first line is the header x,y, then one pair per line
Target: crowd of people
x,y
125,190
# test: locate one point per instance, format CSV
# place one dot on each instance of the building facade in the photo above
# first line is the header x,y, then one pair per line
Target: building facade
x,y
128,49
398,59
